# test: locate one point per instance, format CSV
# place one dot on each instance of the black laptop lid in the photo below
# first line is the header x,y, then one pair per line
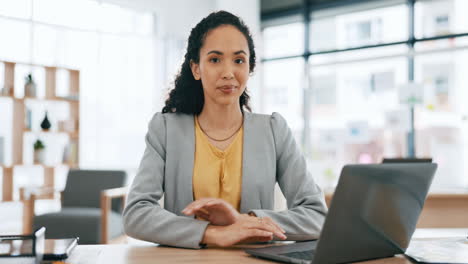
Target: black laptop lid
x,y
407,160
374,211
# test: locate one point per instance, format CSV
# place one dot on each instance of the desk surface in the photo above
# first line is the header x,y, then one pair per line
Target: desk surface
x,y
142,254
126,254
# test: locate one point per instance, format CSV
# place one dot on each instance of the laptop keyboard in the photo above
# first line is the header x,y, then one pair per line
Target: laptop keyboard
x,y
306,255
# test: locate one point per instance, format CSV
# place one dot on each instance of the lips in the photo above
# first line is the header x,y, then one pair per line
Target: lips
x,y
227,89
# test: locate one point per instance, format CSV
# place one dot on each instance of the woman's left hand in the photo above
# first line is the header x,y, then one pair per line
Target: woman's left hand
x,y
216,211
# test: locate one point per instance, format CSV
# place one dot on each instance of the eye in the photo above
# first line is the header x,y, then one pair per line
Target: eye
x,y
240,61
214,60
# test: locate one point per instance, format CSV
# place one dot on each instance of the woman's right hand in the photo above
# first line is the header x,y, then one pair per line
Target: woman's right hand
x,y
246,229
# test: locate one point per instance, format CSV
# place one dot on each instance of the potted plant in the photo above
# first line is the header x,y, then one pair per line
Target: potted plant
x,y
39,152
29,86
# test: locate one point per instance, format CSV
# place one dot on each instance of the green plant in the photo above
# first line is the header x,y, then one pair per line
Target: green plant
x,y
29,78
38,145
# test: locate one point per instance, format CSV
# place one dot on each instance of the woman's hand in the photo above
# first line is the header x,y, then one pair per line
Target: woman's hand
x,y
245,230
216,211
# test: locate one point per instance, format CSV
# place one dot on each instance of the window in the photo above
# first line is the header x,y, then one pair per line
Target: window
x,y
284,40
349,115
17,8
441,121
440,17
364,32
283,90
354,99
369,27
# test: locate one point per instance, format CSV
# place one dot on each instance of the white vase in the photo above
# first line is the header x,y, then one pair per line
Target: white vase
x,y
30,89
39,156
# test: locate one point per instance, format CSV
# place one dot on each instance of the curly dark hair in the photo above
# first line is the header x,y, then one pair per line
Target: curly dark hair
x,y
187,94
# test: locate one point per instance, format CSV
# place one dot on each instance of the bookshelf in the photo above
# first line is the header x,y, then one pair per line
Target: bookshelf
x,y
50,96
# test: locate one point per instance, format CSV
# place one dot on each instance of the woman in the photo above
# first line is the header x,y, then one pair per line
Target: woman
x,y
216,163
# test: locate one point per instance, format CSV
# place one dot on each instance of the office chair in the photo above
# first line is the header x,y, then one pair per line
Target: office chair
x,y
87,209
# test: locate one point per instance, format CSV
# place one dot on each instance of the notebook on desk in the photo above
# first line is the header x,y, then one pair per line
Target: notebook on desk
x,y
443,250
373,214
59,249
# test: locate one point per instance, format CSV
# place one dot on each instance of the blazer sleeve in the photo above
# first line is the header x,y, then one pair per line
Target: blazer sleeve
x,y
143,216
306,211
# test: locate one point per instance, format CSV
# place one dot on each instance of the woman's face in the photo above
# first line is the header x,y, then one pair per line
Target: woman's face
x,y
224,65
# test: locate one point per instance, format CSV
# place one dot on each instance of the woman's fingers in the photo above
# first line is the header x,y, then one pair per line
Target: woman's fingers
x,y
271,222
192,207
202,214
255,234
257,239
248,234
214,202
264,224
203,217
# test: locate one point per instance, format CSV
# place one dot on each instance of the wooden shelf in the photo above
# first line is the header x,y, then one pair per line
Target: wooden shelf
x,y
19,114
54,99
35,165
46,166
72,134
45,99
7,190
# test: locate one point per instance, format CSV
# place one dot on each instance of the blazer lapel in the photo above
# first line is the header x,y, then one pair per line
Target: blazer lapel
x,y
186,157
249,196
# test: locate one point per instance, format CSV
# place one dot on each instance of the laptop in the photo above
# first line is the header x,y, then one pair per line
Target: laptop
x,y
373,214
406,160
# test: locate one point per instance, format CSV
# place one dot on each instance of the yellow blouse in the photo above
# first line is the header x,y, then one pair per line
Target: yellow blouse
x,y
218,173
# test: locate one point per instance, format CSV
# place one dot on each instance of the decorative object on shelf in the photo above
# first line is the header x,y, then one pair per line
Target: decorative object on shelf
x,y
46,123
2,144
66,154
28,119
70,153
67,125
4,91
39,152
29,86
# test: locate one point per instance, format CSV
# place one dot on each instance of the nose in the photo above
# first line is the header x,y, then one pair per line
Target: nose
x,y
227,73
228,77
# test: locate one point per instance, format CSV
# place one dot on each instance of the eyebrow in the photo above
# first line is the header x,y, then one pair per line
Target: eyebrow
x,y
220,53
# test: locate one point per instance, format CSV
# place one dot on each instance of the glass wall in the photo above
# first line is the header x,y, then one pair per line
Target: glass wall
x,y
356,108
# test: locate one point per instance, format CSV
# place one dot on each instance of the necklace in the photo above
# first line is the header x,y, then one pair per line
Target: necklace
x,y
219,140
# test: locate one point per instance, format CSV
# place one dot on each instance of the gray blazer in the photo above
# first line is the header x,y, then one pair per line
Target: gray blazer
x,y
270,155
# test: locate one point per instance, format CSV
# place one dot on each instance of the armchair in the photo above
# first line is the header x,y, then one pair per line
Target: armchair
x,y
87,210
